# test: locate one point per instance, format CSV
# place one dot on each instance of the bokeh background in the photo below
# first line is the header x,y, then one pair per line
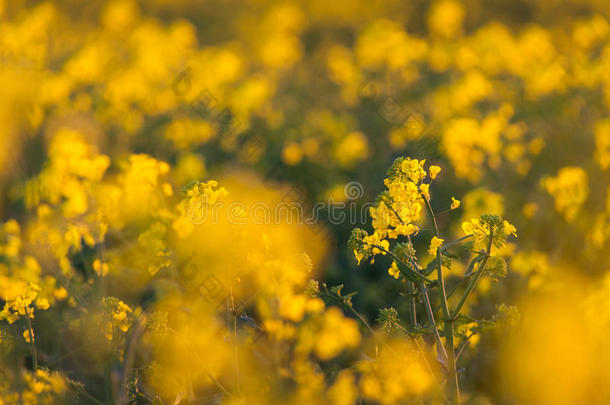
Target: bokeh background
x,y
298,99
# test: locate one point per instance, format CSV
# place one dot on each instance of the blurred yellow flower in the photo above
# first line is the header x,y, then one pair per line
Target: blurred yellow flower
x,y
292,154
445,19
570,189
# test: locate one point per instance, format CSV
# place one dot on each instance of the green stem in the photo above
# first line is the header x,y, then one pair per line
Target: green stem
x,y
463,345
474,280
453,242
128,359
448,321
412,291
219,385
383,342
469,273
430,314
413,304
31,332
402,266
424,291
235,348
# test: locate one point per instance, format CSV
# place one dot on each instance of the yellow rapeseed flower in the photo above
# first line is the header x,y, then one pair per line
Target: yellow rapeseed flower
x,y
394,271
435,243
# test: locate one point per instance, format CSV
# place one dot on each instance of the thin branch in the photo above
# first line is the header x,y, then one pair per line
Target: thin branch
x,y
31,332
457,285
453,242
412,291
137,331
424,291
423,355
410,272
430,314
475,280
235,349
463,346
445,309
219,385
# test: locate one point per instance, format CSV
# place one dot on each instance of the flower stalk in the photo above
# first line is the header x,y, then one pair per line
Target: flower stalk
x,y
447,319
31,334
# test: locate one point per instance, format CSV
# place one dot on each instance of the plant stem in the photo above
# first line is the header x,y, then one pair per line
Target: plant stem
x,y
453,242
448,321
421,351
463,345
219,385
422,287
128,359
424,291
412,291
409,272
235,348
31,332
430,314
474,280
383,342
413,304
467,276
362,319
